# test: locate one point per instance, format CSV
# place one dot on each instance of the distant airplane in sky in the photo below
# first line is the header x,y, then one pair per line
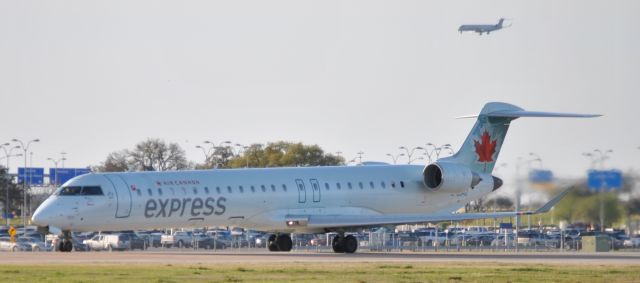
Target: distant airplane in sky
x,y
482,28
293,200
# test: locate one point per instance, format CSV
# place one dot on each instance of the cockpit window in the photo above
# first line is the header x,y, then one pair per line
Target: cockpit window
x,y
70,191
91,191
76,191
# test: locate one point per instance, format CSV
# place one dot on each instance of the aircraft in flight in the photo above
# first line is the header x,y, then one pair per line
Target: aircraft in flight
x,y
482,28
285,200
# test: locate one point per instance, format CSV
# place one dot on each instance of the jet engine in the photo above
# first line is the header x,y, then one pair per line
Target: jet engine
x,y
451,177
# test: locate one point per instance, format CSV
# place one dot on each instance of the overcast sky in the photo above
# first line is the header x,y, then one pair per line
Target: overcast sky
x,y
92,77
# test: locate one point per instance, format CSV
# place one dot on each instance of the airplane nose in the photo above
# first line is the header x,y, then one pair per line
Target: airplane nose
x,y
40,216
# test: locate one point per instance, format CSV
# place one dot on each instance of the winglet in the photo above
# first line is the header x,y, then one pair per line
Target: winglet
x,y
553,202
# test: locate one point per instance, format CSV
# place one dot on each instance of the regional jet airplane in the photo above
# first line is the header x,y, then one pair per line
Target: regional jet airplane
x,y
286,200
481,28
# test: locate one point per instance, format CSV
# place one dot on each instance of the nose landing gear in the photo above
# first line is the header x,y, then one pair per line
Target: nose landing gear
x,y
66,244
280,243
344,244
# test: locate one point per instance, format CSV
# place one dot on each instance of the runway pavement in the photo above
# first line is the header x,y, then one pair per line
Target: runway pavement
x,y
258,257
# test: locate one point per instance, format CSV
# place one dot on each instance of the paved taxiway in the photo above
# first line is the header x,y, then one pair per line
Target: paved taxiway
x,y
253,257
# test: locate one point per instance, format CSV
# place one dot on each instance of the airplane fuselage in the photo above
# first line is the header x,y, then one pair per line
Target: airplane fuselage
x,y
256,198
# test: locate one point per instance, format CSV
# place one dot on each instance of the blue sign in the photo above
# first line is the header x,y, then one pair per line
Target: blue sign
x,y
541,176
34,176
62,175
600,180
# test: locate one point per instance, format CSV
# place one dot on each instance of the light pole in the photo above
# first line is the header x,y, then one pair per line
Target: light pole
x,y
603,155
243,149
24,180
55,162
436,150
63,159
410,152
360,153
8,155
395,157
214,148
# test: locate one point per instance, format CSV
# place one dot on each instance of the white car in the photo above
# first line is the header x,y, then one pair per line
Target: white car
x,y
36,244
7,245
633,242
108,242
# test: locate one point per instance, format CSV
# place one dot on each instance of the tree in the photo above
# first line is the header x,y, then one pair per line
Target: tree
x,y
15,194
157,155
149,155
115,162
282,154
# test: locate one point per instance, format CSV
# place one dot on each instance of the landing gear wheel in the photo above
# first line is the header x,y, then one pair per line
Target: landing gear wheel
x,y
284,243
350,244
338,244
68,246
280,243
271,244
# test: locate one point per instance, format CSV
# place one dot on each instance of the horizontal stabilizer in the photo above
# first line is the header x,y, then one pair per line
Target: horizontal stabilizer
x,y
522,113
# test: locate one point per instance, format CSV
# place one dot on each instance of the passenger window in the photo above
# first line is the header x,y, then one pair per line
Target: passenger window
x,y
184,191
393,184
253,189
70,191
338,186
139,193
263,188
371,184
206,190
195,191
150,192
241,189
218,190
401,184
383,185
349,185
159,191
91,191
284,187
273,188
229,189
326,186
360,185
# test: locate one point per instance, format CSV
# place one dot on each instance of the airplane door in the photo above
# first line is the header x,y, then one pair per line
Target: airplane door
x,y
123,195
315,186
302,191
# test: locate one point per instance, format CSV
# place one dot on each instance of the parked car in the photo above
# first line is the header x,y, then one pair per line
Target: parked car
x,y
7,245
135,241
109,242
204,241
35,243
632,242
480,240
178,239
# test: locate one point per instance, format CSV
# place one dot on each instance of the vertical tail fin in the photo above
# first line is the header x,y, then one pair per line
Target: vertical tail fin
x,y
482,146
500,22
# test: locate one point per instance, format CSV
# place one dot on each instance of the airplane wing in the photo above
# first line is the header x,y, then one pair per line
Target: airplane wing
x,y
338,221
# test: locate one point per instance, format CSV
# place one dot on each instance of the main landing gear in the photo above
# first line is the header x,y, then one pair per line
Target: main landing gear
x,y
280,243
344,244
66,243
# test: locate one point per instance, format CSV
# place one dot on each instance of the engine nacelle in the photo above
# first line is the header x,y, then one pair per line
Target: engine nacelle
x,y
450,177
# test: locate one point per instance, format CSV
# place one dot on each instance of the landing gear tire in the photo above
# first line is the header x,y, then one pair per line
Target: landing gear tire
x,y
68,245
338,244
345,244
280,243
271,244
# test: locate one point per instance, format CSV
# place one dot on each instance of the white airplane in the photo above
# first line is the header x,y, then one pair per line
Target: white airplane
x,y
286,200
482,28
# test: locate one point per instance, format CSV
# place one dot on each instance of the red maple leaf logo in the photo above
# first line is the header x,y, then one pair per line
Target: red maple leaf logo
x,y
485,148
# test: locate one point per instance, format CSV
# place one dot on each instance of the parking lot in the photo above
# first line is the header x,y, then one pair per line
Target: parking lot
x,y
423,239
